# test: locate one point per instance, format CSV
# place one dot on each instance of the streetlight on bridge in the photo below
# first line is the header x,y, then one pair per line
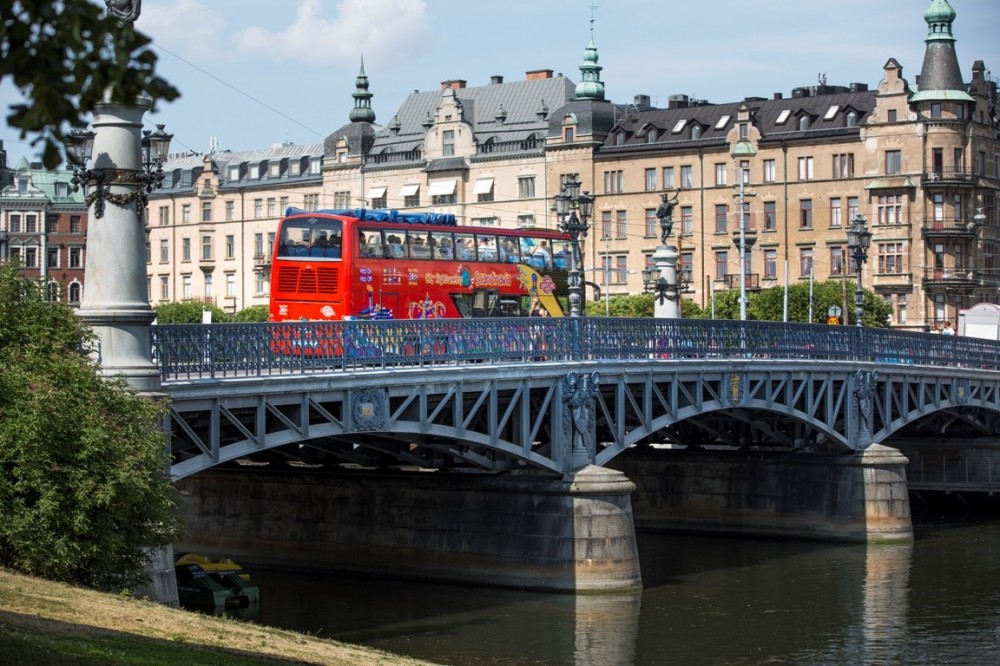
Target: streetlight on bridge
x,y
574,210
859,239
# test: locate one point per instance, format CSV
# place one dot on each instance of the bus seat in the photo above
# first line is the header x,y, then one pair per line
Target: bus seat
x,y
333,252
316,251
299,251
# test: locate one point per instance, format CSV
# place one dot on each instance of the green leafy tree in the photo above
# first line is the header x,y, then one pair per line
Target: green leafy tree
x,y
188,312
252,314
62,56
84,491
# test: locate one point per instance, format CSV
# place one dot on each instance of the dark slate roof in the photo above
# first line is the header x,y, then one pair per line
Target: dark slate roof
x,y
360,138
593,117
765,113
522,103
183,171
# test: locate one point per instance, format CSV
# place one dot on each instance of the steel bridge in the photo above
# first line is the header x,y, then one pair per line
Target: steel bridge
x,y
557,394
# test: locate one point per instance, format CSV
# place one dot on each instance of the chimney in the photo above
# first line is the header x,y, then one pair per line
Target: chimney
x,y
457,84
496,80
642,102
778,96
538,74
677,102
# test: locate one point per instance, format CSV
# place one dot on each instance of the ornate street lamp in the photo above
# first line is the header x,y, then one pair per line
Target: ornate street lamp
x,y
574,210
859,239
652,281
155,146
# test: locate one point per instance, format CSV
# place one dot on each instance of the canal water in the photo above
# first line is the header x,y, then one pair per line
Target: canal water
x,y
704,601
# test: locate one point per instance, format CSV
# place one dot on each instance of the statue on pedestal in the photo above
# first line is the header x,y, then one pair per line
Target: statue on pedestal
x,y
665,214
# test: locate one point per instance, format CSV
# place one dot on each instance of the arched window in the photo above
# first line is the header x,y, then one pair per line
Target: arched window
x,y
52,290
803,122
620,139
696,132
75,292
652,135
852,118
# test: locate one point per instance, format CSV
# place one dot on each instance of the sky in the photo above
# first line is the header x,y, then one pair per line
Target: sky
x,y
256,73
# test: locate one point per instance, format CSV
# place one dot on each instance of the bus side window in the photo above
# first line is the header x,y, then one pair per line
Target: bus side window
x,y
443,246
333,248
371,246
509,251
465,247
394,247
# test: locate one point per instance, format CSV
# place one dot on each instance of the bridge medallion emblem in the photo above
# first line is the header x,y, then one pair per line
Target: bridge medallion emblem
x,y
368,410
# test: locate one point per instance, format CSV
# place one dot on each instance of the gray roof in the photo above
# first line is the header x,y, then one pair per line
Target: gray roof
x,y
183,171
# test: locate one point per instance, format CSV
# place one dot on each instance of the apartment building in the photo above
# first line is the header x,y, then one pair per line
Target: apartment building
x,y
43,223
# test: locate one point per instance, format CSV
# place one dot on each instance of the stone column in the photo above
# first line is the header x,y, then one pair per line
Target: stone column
x,y
665,257
115,302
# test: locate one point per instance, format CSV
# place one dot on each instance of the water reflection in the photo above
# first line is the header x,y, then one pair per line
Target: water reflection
x,y
705,601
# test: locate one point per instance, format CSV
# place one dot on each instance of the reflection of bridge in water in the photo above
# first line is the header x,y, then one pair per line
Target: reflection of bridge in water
x,y
729,416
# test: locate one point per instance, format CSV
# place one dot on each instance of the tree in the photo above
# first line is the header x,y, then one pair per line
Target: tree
x,y
62,56
252,314
84,491
188,312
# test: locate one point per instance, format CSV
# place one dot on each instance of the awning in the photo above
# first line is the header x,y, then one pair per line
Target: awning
x,y
483,186
896,183
440,188
409,189
377,192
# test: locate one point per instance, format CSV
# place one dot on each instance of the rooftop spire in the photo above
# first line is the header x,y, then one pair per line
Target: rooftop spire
x,y
590,85
940,77
362,111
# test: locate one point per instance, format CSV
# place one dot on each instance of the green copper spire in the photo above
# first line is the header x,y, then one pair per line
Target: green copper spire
x,y
590,85
362,111
939,17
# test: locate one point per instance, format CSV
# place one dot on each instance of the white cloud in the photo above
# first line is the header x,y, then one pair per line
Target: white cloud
x,y
184,26
360,26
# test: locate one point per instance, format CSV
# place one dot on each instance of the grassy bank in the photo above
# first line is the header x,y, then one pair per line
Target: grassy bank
x,y
44,623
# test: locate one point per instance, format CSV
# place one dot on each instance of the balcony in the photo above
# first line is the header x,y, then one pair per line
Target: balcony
x,y
261,262
206,263
946,177
964,227
949,279
732,281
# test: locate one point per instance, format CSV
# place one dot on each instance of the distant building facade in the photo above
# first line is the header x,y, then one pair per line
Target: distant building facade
x,y
43,224
920,161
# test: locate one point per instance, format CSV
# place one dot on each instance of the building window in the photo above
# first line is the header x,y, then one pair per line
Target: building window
x,y
936,110
524,221
341,199
720,173
803,122
526,187
621,226
650,180
890,208
206,212
15,224
230,246
186,214
806,171
668,177
843,165
230,210
274,169
164,216
206,248
770,171
893,162
448,143
272,207
164,287
568,135
836,213
806,261
31,257
770,263
52,223
890,257
652,223
209,285
614,182
605,224
901,308
185,249
164,250
254,172
270,243
186,287
721,213
258,245
770,216
444,199
74,292
294,168
891,116
686,176
744,130
805,214
687,220
74,224
620,276
282,205
852,208
230,285
836,260
258,284
686,267
721,265
76,257
258,208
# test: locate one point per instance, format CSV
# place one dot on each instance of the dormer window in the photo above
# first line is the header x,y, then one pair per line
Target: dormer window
x,y
234,173
652,135
274,169
744,130
803,122
448,143
254,172
852,118
620,139
696,132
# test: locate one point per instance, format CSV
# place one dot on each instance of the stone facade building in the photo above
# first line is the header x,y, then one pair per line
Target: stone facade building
x,y
919,160
43,223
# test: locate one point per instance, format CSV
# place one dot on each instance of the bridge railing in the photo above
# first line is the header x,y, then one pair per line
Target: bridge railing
x,y
203,351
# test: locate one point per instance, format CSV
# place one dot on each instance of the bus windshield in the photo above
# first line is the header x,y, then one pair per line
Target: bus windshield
x,y
311,237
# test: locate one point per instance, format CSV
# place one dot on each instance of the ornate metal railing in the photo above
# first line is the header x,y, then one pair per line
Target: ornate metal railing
x,y
200,351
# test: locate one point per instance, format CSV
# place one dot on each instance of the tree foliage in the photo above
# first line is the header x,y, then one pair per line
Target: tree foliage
x,y
62,56
252,314
188,312
84,491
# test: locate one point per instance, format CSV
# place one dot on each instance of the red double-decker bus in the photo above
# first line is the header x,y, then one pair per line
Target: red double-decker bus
x,y
368,264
